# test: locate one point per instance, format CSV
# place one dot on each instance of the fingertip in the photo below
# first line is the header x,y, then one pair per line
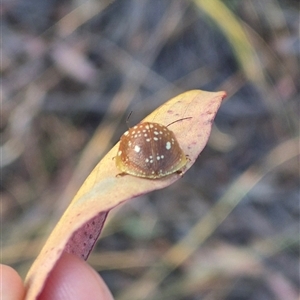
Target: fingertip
x,y
73,278
12,287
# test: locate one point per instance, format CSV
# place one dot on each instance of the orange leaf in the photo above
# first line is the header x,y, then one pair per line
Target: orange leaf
x,y
79,228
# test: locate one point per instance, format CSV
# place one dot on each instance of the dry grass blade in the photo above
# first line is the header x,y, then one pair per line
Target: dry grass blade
x,y
81,224
236,35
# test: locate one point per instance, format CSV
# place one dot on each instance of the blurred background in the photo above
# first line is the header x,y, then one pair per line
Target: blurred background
x,y
72,70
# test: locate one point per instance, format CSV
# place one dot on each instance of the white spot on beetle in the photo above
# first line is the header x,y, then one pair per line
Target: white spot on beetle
x,y
168,145
137,148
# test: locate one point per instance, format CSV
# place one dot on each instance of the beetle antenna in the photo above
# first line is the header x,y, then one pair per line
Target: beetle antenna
x,y
179,120
127,119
